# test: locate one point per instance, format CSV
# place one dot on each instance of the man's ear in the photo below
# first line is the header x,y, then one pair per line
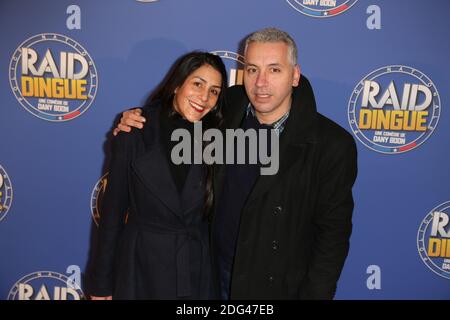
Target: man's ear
x,y
296,78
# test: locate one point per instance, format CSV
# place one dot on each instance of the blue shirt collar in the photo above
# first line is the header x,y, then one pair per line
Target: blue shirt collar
x,y
277,125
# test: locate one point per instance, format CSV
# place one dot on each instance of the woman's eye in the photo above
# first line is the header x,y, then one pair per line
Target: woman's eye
x,y
215,92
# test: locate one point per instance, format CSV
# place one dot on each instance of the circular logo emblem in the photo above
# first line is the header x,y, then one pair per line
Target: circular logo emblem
x,y
97,197
321,8
394,109
45,285
234,63
433,240
53,77
6,193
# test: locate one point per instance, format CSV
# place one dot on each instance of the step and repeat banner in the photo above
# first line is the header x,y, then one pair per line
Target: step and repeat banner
x,y
379,68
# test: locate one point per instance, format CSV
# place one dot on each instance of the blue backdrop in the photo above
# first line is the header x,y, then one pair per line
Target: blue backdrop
x,y
108,55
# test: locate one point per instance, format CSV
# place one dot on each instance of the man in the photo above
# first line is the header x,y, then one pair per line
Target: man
x,y
282,236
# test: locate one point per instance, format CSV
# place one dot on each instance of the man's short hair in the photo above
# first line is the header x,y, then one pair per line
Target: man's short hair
x,y
274,35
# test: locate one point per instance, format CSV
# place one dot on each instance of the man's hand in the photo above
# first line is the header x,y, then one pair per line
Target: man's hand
x,y
130,118
101,298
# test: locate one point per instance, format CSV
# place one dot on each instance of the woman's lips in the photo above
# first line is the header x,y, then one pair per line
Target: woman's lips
x,y
196,106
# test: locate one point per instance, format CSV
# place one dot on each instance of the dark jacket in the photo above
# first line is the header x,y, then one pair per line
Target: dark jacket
x,y
162,251
295,226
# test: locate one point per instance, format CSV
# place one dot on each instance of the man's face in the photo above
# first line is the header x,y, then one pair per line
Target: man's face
x,y
268,79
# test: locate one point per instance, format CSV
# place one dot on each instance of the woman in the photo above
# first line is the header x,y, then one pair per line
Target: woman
x,y
161,252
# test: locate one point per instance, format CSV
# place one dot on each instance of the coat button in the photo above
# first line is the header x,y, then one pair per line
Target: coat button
x,y
278,210
274,245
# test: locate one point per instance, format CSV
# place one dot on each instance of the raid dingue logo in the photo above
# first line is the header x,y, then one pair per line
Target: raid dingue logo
x,y
321,8
6,193
234,62
46,285
53,77
97,197
394,109
433,240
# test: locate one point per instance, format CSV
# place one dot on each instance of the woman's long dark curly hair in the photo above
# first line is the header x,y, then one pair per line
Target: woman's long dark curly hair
x,y
177,75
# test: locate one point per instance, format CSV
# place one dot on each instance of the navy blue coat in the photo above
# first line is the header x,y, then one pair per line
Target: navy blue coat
x,y
295,226
162,250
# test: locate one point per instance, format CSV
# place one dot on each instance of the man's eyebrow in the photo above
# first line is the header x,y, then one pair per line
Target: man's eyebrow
x,y
275,64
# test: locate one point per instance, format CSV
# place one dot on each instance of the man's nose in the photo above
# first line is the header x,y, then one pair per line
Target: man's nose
x,y
261,79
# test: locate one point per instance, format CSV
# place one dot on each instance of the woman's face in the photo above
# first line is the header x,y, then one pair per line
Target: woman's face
x,y
198,94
